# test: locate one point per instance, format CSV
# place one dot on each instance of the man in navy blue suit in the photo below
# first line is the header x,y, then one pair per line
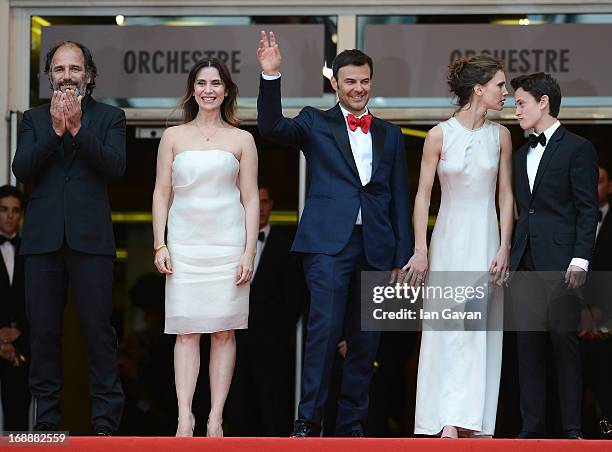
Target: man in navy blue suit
x,y
356,218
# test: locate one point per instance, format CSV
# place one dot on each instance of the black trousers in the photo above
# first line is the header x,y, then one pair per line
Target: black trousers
x,y
15,396
539,300
90,277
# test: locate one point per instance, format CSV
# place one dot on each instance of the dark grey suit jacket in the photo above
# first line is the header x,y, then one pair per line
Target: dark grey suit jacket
x,y
69,177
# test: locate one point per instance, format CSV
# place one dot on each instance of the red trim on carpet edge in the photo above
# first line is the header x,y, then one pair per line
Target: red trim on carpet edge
x,y
154,444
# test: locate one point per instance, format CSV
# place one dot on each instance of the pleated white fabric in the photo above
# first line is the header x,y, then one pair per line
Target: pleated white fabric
x,y
459,371
206,238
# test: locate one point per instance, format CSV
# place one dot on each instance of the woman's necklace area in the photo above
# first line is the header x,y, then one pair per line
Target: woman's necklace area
x,y
208,137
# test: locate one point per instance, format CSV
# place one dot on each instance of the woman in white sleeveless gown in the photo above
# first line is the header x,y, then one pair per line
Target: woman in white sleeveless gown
x,y
459,371
206,192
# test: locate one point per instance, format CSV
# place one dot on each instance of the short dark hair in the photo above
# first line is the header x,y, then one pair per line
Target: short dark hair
x,y
9,190
540,84
352,57
267,188
90,66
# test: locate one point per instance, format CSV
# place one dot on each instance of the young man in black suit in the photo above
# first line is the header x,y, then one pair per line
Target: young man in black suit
x,y
68,151
14,345
555,177
261,400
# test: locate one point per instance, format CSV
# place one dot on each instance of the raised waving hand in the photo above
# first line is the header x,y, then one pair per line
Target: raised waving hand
x,y
268,54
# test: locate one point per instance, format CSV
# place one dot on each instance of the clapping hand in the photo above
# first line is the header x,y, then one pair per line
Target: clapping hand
x,y
72,111
268,54
57,114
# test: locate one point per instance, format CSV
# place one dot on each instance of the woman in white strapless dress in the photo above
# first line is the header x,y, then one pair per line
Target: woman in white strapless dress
x,y
206,193
459,371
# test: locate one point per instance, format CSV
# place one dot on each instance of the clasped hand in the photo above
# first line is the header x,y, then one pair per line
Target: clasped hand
x,y
66,112
413,273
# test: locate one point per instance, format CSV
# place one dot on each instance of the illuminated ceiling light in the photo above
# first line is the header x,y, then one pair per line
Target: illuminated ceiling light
x,y
120,19
524,21
334,38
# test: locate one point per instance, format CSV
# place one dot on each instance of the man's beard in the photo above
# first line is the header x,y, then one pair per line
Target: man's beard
x,y
78,88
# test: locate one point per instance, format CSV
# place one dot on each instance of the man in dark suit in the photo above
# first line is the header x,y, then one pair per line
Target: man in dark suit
x,y
14,348
556,196
261,399
356,217
596,343
68,150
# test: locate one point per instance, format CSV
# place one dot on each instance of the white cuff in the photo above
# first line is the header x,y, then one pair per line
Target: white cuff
x,y
582,263
270,77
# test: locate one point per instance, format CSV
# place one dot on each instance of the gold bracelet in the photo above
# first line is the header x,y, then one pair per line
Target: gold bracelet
x,y
157,248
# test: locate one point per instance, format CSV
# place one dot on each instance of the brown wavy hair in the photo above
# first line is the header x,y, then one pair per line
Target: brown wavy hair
x,y
465,73
228,108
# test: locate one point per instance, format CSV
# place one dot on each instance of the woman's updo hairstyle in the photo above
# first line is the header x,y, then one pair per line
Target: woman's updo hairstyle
x,y
465,73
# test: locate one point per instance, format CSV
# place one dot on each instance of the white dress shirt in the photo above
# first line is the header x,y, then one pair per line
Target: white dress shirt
x,y
534,156
361,146
260,247
604,211
8,255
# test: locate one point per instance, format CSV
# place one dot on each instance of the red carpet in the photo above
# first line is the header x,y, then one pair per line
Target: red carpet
x,y
94,444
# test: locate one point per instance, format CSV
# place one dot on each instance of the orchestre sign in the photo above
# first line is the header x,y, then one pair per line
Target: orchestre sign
x,y
411,60
153,61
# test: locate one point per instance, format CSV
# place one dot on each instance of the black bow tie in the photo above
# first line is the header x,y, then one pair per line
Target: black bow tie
x,y
535,139
4,239
262,236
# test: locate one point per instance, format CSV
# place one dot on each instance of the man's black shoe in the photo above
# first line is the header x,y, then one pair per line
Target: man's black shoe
x,y
305,429
45,427
102,430
573,434
528,435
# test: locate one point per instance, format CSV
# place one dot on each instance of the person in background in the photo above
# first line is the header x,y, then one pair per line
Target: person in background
x,y
14,331
262,394
596,323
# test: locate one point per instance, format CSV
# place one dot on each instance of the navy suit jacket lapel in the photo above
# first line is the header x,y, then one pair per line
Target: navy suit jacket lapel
x,y
549,151
379,133
337,125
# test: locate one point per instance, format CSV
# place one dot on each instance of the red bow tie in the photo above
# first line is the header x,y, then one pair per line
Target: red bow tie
x,y
363,122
